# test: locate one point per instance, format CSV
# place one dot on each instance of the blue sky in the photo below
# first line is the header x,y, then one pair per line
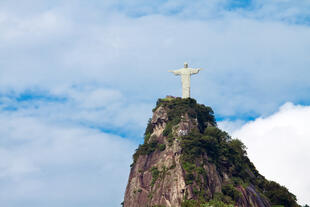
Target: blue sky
x,y
78,81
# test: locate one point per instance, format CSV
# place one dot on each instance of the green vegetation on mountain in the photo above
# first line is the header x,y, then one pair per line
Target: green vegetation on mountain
x,y
207,142
178,107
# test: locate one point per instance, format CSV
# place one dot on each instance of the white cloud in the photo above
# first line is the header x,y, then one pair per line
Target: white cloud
x,y
230,126
34,29
96,98
44,164
278,145
289,11
88,106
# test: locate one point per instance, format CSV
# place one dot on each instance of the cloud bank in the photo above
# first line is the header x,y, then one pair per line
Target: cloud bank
x,y
44,164
278,145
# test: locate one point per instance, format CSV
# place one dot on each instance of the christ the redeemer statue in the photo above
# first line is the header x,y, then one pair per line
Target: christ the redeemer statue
x,y
185,74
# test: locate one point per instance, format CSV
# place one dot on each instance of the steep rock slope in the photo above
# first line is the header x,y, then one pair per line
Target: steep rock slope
x,y
187,161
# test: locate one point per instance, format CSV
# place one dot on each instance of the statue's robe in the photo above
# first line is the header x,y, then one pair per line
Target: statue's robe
x,y
185,74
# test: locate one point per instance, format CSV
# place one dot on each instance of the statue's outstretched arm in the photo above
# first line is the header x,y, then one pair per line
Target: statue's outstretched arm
x,y
195,71
175,72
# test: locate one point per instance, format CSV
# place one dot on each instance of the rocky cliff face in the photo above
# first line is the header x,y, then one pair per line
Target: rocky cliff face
x,y
181,162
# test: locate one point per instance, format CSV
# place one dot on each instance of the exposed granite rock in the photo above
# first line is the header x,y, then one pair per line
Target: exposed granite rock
x,y
251,198
169,188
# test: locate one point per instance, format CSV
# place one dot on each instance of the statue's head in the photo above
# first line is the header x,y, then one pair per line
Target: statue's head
x,y
185,65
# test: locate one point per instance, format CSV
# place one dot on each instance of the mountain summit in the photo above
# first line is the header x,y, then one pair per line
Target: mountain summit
x,y
187,161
